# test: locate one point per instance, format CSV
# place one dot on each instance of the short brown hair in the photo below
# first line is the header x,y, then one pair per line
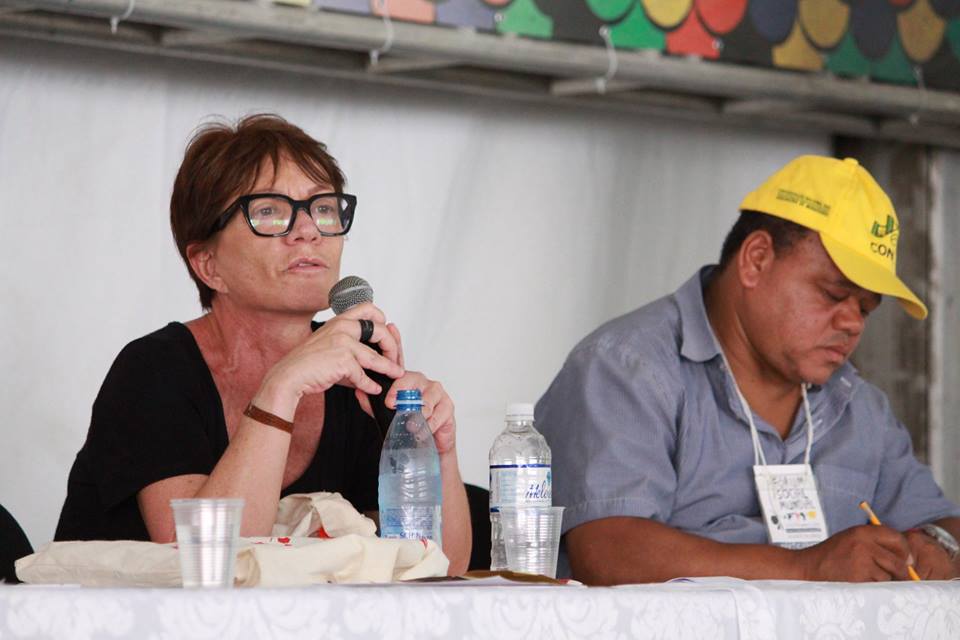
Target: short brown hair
x,y
222,161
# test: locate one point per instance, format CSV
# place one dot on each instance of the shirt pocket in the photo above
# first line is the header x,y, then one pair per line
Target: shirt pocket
x,y
841,491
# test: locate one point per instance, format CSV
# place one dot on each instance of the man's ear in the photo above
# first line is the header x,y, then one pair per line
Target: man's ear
x,y
754,258
203,261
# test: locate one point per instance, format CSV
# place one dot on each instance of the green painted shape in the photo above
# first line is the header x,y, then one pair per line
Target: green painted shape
x,y
637,32
846,59
894,66
608,10
953,37
523,18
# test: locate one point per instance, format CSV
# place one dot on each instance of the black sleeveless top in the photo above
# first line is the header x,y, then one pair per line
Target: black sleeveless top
x,y
159,415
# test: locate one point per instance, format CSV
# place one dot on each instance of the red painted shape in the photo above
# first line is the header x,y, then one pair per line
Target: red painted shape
x,y
410,10
691,38
721,16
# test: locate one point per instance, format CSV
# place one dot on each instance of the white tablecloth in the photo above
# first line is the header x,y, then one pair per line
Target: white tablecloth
x,y
716,608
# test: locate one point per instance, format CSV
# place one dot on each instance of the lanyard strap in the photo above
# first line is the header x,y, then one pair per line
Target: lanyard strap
x,y
758,457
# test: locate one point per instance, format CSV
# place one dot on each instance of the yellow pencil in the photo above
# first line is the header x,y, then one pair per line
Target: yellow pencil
x,y
874,520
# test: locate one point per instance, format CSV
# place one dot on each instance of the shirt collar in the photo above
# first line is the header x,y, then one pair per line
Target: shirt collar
x,y
697,342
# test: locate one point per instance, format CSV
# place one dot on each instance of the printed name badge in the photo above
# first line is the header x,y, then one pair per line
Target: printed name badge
x,y
790,505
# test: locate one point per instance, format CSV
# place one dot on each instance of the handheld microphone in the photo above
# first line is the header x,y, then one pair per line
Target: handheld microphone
x,y
346,294
349,292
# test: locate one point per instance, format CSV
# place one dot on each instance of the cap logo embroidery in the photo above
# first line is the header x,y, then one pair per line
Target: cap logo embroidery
x,y
883,250
884,231
803,201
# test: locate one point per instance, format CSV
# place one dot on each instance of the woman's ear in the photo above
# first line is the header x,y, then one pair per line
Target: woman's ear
x,y
203,260
754,258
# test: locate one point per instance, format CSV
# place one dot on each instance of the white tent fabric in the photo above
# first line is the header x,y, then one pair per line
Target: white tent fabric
x,y
495,234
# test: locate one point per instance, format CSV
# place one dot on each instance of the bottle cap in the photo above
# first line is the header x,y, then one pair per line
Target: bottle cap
x,y
409,396
520,411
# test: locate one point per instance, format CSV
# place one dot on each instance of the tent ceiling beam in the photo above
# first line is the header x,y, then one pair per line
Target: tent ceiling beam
x,y
763,106
399,64
589,86
192,38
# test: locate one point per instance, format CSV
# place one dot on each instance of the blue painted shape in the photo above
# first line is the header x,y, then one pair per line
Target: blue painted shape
x,y
466,13
873,24
352,6
773,19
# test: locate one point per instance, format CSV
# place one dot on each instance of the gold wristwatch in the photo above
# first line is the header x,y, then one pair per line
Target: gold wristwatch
x,y
944,538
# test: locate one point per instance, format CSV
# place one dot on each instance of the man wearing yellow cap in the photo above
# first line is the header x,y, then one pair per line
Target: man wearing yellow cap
x,y
721,430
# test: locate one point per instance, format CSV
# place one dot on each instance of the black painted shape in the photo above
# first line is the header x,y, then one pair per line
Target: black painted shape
x,y
745,45
946,8
940,71
572,20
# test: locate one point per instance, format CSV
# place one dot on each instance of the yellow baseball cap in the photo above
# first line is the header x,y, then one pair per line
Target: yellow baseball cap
x,y
842,202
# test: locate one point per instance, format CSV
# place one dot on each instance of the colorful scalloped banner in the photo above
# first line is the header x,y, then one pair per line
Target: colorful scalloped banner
x,y
691,38
921,31
897,41
824,22
667,14
721,16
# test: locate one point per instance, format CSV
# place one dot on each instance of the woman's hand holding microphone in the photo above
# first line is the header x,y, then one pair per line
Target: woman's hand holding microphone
x,y
334,354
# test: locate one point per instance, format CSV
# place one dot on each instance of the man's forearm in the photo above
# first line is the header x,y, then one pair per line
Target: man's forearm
x,y
625,550
622,550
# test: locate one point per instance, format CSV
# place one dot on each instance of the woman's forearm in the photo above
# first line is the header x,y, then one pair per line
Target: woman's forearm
x,y
457,535
251,468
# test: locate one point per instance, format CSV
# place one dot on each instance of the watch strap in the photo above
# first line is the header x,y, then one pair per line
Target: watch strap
x,y
944,538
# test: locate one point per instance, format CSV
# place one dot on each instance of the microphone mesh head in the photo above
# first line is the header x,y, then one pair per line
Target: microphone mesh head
x,y
350,292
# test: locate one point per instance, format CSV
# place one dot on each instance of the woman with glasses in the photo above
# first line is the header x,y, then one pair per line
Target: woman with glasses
x,y
252,399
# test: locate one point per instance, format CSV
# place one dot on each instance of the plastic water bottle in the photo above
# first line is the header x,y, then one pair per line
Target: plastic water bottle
x,y
410,490
519,473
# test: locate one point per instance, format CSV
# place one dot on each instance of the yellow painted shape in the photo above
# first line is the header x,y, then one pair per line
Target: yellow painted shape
x,y
796,52
824,21
667,14
921,31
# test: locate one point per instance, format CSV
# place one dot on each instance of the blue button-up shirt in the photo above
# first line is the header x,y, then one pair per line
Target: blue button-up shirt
x,y
643,420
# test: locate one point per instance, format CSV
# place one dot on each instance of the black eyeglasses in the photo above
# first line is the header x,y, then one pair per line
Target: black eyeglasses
x,y
274,214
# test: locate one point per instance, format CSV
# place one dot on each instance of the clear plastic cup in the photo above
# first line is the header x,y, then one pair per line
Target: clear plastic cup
x,y
208,535
531,536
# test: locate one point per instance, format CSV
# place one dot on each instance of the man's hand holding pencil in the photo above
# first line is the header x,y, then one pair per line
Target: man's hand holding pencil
x,y
928,560
875,553
933,562
875,521
866,553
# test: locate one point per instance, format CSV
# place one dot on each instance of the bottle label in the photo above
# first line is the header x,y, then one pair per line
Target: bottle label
x,y
415,522
520,485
